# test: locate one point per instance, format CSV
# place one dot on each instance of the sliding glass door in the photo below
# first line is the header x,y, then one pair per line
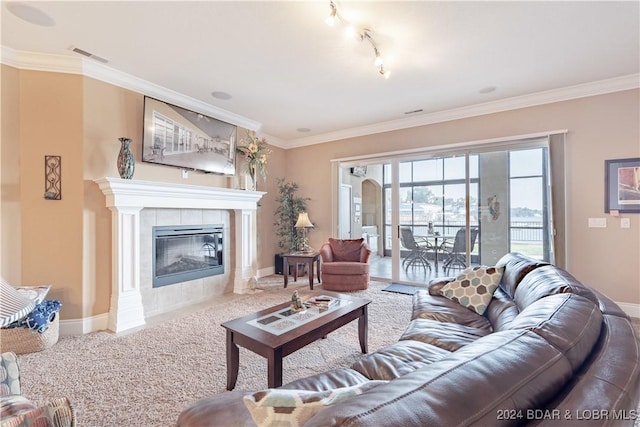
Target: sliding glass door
x,y
432,207
434,214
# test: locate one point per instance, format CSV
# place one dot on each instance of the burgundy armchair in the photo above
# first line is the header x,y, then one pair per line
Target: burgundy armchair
x,y
345,265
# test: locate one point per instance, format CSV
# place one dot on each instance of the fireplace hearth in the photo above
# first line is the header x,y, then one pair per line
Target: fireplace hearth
x,y
183,253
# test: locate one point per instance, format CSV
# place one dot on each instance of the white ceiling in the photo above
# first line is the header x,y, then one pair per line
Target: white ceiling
x,y
287,69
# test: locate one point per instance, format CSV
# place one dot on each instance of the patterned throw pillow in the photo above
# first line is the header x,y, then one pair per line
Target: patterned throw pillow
x,y
57,412
13,406
13,306
9,374
474,287
291,408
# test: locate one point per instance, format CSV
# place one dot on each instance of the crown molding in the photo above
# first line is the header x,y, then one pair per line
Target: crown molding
x,y
110,75
89,68
40,61
600,87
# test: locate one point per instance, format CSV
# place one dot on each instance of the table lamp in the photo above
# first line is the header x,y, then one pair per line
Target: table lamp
x,y
304,223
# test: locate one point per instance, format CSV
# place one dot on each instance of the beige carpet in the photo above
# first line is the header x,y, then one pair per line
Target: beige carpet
x,y
148,377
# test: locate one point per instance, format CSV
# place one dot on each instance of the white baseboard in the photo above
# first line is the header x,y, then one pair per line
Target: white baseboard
x,y
84,325
267,271
632,310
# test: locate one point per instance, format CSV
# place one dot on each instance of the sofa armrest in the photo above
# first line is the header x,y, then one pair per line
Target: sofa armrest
x,y
326,253
365,253
435,285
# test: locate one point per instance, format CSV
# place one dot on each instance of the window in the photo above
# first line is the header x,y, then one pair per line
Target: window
x,y
171,136
528,202
433,191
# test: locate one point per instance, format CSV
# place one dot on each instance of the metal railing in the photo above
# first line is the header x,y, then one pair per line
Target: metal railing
x,y
520,231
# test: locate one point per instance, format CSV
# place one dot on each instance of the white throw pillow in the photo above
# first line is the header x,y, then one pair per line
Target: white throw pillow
x,y
474,287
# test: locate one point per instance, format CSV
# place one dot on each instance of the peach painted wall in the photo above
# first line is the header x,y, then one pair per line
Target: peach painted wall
x,y
600,127
51,124
10,219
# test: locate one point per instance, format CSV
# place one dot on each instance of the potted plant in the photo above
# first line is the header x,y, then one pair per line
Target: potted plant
x,y
290,204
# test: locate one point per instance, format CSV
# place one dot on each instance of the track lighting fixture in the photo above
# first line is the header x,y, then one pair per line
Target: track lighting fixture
x,y
362,35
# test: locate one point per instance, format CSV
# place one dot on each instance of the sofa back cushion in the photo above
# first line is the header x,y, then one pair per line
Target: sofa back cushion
x,y
441,309
567,321
609,381
516,266
398,359
470,386
548,280
346,249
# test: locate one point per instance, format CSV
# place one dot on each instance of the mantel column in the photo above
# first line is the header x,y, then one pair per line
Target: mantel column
x,y
246,249
126,310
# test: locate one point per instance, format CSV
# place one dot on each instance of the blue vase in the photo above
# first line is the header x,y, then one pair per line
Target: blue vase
x,y
126,162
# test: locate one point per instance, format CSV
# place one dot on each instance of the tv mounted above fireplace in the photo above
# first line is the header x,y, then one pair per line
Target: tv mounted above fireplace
x,y
175,136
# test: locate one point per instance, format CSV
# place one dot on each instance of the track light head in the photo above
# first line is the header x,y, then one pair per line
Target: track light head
x,y
378,61
333,15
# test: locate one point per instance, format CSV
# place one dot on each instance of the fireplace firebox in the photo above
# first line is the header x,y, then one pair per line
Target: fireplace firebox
x,y
186,252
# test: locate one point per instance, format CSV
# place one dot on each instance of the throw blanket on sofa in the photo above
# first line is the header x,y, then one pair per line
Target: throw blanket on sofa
x,y
40,317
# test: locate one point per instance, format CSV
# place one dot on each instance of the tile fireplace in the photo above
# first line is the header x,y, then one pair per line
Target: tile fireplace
x,y
134,203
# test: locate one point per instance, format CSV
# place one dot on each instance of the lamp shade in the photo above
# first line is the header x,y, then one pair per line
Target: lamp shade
x,y
303,221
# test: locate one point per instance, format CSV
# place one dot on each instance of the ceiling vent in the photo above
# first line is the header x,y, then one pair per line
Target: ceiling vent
x,y
89,55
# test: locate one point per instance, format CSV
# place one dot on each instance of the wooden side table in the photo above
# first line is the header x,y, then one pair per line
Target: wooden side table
x,y
301,258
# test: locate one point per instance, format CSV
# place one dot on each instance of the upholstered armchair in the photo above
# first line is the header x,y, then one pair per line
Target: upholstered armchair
x,y
345,265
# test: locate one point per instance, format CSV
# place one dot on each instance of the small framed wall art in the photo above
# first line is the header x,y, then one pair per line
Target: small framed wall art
x,y
359,171
53,177
622,185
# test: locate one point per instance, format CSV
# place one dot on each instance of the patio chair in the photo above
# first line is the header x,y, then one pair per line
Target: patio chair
x,y
456,254
417,257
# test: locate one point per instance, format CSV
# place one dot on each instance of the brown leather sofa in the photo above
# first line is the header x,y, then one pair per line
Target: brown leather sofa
x,y
547,351
345,265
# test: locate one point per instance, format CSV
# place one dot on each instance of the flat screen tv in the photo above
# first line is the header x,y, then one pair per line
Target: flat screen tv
x,y
175,136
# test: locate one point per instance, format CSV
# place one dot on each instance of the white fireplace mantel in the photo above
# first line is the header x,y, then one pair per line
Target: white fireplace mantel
x,y
126,198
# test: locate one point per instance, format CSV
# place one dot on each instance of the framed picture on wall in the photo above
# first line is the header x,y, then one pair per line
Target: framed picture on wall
x,y
622,185
175,136
359,171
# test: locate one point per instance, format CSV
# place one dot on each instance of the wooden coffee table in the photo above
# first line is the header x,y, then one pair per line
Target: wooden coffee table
x,y
240,332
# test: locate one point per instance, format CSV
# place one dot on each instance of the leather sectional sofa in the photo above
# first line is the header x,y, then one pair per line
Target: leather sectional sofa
x,y
547,351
